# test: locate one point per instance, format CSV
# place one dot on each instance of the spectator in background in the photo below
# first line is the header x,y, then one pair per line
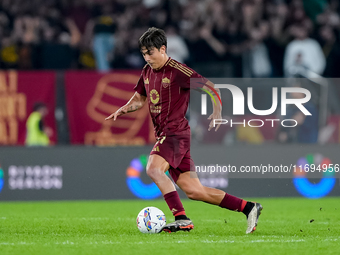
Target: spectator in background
x,y
307,127
151,3
132,57
331,50
278,37
303,51
236,45
232,35
158,18
314,7
177,48
37,133
8,49
59,42
101,31
198,43
329,17
28,26
256,61
217,45
328,35
259,64
79,13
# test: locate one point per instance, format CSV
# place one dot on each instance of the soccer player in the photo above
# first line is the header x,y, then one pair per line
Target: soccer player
x,y
165,85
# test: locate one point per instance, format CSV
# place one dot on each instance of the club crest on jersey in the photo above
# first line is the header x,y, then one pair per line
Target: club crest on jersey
x,y
165,82
154,96
146,81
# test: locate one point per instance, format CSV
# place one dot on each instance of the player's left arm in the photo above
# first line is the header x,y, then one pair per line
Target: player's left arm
x,y
190,79
216,103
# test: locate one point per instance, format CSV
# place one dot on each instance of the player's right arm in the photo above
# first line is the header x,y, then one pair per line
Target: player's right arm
x,y
136,102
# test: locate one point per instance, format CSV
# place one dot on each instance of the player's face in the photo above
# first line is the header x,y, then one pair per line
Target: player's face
x,y
154,57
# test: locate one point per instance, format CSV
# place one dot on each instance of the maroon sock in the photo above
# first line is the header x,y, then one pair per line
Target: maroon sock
x,y
174,203
232,203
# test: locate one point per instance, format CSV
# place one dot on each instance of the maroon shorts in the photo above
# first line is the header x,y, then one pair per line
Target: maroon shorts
x,y
176,151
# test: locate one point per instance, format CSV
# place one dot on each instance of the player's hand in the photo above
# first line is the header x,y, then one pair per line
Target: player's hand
x,y
212,117
117,113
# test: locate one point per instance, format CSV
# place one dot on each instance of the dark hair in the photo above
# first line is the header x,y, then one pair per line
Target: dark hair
x,y
38,105
153,37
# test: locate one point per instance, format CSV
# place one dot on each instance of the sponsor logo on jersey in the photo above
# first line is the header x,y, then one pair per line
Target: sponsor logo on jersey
x,y
154,96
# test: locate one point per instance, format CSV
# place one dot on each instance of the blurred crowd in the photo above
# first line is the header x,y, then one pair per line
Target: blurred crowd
x,y
258,38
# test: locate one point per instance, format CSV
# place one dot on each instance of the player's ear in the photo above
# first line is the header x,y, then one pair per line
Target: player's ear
x,y
163,49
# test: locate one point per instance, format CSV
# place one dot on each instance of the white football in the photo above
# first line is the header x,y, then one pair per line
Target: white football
x,y
150,220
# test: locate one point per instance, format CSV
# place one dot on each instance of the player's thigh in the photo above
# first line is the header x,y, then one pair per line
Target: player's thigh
x,y
157,163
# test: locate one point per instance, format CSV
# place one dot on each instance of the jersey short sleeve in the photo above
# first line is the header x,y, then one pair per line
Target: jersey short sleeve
x,y
140,87
188,78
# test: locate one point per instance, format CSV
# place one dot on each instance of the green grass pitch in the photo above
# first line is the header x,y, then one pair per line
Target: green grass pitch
x,y
286,226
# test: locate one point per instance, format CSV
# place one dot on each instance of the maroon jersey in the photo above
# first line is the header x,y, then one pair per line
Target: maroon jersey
x,y
168,93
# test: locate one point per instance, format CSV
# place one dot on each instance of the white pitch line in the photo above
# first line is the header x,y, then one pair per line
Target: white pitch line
x,y
20,243
109,242
61,219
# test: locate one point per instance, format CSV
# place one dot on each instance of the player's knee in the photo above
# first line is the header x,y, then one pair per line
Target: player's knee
x,y
152,172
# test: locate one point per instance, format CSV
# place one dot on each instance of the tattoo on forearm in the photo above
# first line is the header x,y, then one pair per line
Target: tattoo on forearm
x,y
133,108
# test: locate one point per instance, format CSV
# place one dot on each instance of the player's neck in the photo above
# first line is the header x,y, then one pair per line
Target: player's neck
x,y
161,66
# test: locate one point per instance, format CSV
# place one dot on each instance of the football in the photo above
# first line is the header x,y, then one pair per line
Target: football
x,y
150,220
